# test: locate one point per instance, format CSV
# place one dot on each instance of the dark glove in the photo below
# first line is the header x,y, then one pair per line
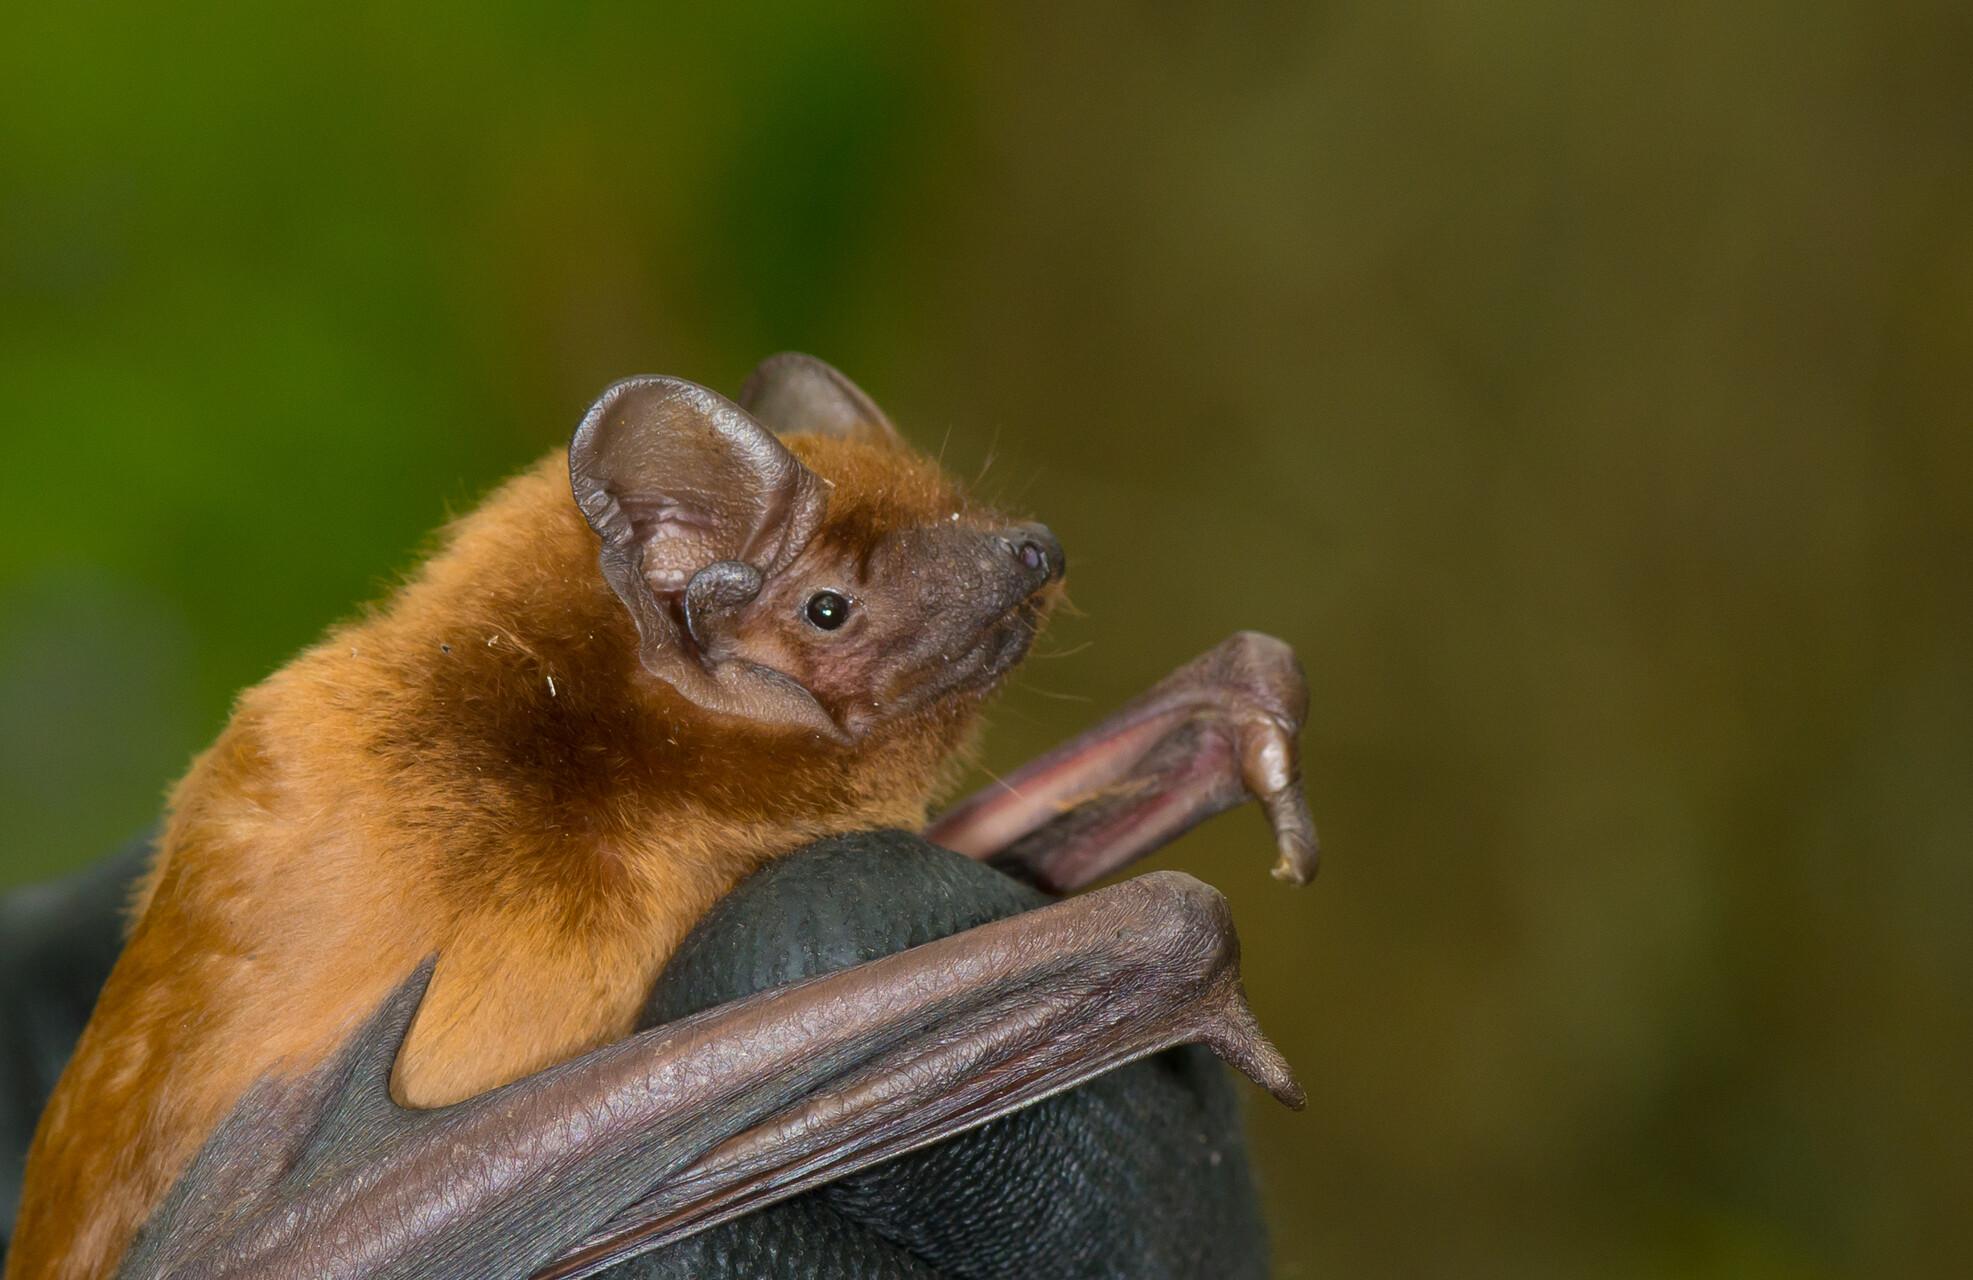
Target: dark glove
x,y
58,942
1140,1173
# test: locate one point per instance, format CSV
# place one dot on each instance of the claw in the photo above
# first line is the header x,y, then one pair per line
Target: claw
x,y
1216,732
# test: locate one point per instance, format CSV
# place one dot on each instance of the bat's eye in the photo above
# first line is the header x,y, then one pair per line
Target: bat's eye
x,y
827,610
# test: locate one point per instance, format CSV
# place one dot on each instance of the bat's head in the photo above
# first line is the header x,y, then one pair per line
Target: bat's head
x,y
790,561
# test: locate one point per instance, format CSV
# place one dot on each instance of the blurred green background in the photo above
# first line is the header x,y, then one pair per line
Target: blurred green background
x,y
1584,390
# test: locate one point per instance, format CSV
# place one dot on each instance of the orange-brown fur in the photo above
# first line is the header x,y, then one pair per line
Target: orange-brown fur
x,y
479,768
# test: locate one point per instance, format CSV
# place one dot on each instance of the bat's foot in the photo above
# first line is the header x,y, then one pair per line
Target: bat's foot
x,y
1219,731
1265,698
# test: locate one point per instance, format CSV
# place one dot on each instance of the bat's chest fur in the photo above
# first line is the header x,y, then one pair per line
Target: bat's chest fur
x,y
551,910
277,916
549,967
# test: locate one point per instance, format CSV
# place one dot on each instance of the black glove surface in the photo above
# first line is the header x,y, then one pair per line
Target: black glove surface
x,y
1139,1173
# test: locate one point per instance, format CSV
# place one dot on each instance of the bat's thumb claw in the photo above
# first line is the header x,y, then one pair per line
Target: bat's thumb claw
x,y
1300,850
1236,1036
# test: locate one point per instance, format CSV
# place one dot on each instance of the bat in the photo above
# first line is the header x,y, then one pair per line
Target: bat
x,y
373,1016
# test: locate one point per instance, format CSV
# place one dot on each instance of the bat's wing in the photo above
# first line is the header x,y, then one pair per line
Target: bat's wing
x,y
689,1124
1220,730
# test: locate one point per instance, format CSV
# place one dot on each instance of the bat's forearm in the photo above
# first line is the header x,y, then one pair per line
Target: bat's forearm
x,y
674,1129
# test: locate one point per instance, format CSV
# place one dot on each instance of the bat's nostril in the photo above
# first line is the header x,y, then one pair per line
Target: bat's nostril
x,y
1037,548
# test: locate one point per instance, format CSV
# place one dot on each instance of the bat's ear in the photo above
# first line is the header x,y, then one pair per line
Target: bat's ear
x,y
675,478
795,393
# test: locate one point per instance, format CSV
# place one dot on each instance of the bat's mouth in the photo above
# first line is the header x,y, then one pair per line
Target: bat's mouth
x,y
1008,641
1003,642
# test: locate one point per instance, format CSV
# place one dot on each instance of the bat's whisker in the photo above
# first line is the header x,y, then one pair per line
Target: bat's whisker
x,y
1069,652
1003,783
1050,693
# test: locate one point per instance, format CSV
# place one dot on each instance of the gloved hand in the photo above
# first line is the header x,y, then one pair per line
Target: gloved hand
x,y
1139,1173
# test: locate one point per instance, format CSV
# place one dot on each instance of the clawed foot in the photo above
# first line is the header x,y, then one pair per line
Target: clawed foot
x,y
1217,731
